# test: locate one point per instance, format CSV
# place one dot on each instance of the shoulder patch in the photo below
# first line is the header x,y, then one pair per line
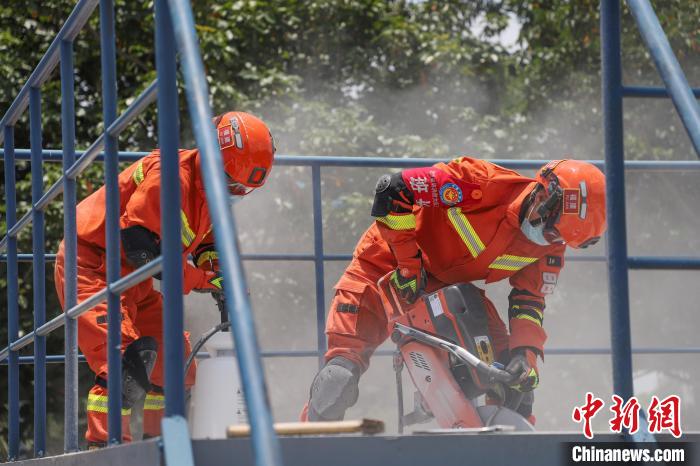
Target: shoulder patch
x,y
450,194
554,261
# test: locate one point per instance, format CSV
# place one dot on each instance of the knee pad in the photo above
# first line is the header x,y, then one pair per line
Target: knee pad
x,y
334,390
138,362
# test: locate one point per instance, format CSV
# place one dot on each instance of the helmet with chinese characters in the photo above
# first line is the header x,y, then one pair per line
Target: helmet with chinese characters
x,y
247,148
574,204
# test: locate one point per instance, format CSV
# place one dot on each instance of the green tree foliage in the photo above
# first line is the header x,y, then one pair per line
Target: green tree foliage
x,y
350,77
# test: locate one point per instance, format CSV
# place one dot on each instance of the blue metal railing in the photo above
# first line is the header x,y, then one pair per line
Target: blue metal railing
x,y
669,69
180,20
317,162
266,446
265,443
613,90
70,266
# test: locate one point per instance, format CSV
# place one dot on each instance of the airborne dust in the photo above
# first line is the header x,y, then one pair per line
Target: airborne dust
x,y
662,220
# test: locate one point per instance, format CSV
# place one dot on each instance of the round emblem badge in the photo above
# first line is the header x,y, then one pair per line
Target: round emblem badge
x,y
450,194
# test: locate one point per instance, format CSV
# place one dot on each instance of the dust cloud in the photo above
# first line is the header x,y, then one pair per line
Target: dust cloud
x,y
661,220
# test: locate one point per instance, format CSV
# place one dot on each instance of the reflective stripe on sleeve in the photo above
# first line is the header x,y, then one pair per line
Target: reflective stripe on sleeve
x,y
466,231
399,222
527,313
138,174
207,256
510,262
187,233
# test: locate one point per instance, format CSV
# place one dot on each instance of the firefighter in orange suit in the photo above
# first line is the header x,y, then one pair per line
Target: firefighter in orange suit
x,y
247,149
458,222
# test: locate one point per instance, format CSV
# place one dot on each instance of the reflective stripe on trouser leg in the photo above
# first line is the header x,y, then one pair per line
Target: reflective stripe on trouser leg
x,y
97,417
153,410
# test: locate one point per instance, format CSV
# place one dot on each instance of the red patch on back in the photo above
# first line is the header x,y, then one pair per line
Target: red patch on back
x,y
572,201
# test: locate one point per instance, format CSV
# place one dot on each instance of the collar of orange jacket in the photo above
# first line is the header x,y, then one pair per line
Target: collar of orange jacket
x,y
513,212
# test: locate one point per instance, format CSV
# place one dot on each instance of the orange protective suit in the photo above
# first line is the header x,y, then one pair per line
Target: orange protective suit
x,y
465,220
141,306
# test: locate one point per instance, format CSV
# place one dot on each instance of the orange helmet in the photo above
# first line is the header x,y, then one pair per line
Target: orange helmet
x,y
573,206
247,148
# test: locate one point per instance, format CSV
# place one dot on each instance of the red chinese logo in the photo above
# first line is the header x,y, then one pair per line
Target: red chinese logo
x,y
225,137
625,416
586,412
663,414
571,201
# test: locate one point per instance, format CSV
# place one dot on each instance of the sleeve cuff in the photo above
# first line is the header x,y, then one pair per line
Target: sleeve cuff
x,y
524,333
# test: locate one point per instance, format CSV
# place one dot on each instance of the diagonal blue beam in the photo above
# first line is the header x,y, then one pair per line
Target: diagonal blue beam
x,y
75,22
668,67
265,443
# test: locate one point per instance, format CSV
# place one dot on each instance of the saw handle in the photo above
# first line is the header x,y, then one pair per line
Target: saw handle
x,y
494,373
393,305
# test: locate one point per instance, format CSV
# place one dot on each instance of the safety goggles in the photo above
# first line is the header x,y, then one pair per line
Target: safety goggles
x,y
546,212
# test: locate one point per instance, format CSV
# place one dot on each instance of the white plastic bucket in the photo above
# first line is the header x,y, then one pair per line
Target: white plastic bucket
x,y
217,398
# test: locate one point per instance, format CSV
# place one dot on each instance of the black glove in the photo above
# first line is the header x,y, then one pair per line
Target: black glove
x,y
409,279
220,299
523,365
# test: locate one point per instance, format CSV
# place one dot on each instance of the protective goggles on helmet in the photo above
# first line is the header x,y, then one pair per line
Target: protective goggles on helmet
x,y
545,210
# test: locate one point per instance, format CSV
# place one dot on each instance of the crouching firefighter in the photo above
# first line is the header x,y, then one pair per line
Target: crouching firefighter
x,y
459,222
248,150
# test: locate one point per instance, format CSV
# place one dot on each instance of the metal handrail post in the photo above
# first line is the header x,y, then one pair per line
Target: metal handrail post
x,y
319,264
38,274
12,296
109,114
70,265
266,446
668,67
616,243
171,242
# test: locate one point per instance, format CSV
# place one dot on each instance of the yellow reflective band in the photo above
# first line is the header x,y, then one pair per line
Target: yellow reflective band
x,y
466,231
531,308
187,233
98,404
217,282
207,256
138,174
412,284
154,402
530,318
509,262
399,222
